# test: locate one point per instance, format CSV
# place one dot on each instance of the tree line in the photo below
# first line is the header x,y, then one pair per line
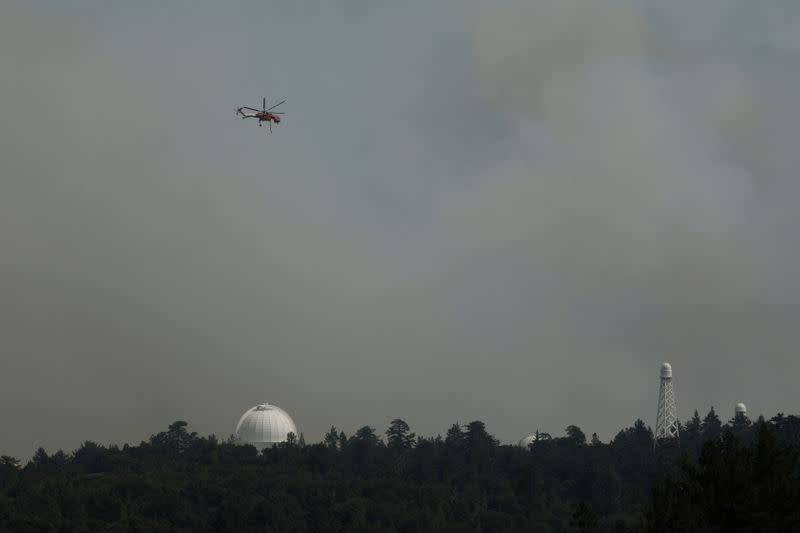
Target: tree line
x,y
736,476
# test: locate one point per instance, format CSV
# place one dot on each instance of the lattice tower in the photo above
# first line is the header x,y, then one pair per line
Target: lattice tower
x,y
667,418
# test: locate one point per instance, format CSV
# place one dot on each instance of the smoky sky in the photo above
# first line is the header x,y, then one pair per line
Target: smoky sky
x,y
509,212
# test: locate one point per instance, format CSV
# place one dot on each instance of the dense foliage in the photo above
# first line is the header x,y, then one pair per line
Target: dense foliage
x,y
733,477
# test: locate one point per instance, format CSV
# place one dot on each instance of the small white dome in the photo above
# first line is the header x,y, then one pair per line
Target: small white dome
x,y
264,426
741,408
527,441
666,370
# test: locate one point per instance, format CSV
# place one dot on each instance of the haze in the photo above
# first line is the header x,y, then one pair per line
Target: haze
x,y
510,213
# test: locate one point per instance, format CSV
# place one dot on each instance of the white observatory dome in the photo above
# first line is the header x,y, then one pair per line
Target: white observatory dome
x,y
666,370
741,409
264,426
527,441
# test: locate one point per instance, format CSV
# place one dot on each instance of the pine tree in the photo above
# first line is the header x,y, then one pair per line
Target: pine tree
x,y
712,426
455,437
331,438
693,426
399,435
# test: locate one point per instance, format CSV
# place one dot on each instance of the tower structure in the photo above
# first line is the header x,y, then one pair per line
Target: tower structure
x,y
667,418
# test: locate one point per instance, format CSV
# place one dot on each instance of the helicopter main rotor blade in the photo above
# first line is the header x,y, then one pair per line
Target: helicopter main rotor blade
x,y
276,105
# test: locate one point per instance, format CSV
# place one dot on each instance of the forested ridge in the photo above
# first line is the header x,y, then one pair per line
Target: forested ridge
x,y
738,476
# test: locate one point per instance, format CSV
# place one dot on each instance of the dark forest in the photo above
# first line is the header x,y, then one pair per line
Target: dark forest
x,y
722,477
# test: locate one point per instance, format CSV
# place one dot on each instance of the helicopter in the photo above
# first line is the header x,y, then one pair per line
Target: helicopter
x,y
264,115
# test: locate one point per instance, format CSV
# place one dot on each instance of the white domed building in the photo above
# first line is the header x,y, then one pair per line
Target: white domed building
x,y
264,426
530,439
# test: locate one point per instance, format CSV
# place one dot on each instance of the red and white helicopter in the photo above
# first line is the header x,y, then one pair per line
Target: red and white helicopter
x,y
264,115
